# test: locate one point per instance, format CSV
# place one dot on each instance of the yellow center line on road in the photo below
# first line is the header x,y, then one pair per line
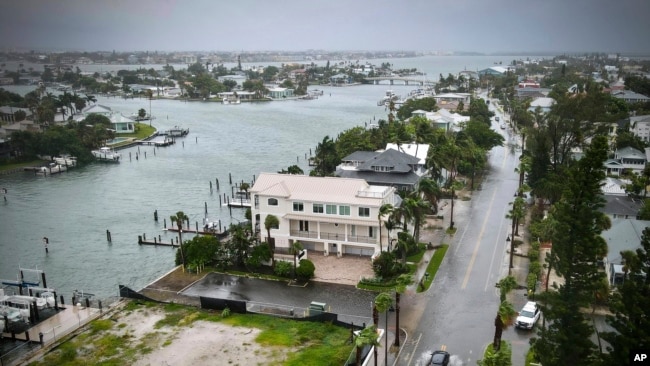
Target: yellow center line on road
x,y
480,236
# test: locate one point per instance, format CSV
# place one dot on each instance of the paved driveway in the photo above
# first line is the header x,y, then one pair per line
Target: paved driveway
x,y
346,270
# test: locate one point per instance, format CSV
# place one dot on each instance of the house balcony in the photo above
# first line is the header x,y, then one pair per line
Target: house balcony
x,y
333,236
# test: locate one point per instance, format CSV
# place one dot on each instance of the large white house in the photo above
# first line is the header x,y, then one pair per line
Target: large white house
x,y
326,214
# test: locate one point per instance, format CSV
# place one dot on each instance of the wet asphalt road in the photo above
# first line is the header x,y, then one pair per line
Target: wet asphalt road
x,y
457,313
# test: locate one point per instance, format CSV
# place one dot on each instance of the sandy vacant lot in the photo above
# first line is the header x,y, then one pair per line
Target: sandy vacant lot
x,y
199,343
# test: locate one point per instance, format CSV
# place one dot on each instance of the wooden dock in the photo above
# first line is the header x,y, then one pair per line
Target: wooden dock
x,y
218,234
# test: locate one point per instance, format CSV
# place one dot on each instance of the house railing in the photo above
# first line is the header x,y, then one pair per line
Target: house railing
x,y
334,236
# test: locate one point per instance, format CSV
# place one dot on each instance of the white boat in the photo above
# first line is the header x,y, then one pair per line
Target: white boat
x,y
21,305
49,298
52,168
41,303
106,154
230,100
13,315
66,160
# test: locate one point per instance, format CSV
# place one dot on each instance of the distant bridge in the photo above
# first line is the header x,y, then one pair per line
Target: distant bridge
x,y
406,79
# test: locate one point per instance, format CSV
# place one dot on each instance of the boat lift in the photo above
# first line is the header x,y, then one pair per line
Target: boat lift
x,y
22,283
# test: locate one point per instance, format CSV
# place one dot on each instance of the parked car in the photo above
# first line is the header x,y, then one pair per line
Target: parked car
x,y
528,316
497,118
439,358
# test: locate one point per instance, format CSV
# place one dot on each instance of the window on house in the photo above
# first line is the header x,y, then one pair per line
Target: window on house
x,y
317,208
273,202
364,211
370,231
330,209
344,210
304,225
257,202
298,206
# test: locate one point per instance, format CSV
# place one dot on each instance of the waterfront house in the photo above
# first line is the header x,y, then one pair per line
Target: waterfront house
x,y
340,79
452,101
442,118
391,167
326,214
280,93
494,70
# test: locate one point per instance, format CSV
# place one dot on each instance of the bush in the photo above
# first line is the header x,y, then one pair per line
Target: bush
x,y
531,281
535,268
306,269
283,269
533,255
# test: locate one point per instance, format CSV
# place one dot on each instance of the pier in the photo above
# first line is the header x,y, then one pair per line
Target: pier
x,y
405,79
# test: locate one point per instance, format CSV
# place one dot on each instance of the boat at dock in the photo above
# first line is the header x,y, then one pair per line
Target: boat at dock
x,y
66,160
106,154
175,132
51,168
227,100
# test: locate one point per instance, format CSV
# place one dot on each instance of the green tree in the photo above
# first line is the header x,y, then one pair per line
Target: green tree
x,y
305,270
271,222
564,337
506,313
292,169
180,218
426,104
631,316
326,158
431,192
516,213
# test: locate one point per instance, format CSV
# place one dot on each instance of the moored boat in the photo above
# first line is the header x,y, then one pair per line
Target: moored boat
x,y
106,154
175,132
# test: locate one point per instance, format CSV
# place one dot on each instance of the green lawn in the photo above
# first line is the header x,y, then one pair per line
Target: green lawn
x,y
433,266
12,166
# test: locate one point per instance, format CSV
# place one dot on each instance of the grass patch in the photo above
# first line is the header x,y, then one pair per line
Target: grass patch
x,y
101,325
12,166
417,257
433,266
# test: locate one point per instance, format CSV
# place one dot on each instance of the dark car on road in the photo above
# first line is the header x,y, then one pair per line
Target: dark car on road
x,y
439,358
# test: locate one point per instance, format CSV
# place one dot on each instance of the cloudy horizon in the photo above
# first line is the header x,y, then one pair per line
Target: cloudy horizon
x,y
489,27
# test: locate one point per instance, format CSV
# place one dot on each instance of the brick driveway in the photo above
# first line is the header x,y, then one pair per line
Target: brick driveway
x,y
346,270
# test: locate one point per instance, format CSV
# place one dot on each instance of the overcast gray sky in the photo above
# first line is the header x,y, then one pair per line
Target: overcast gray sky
x,y
487,26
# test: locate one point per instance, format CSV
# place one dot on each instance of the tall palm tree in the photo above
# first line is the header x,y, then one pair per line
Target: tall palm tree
x,y
383,302
517,212
414,209
402,282
271,222
384,210
179,218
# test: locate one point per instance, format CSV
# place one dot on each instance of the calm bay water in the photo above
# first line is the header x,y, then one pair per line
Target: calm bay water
x,y
74,209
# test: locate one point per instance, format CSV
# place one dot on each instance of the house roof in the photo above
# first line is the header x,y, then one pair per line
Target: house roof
x,y
398,161
624,235
381,178
319,189
621,206
542,103
360,156
629,152
420,151
96,108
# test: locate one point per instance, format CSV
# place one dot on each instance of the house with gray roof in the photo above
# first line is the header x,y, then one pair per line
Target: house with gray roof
x,y
629,96
390,168
631,159
621,207
622,236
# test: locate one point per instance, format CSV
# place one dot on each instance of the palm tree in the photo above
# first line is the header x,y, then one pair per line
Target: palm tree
x,y
384,210
366,337
517,212
400,286
414,209
383,302
295,248
506,313
271,222
431,191
179,218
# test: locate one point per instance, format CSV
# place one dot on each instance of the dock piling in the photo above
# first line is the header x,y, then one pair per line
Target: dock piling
x,y
206,208
210,186
165,223
230,178
217,180
155,216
